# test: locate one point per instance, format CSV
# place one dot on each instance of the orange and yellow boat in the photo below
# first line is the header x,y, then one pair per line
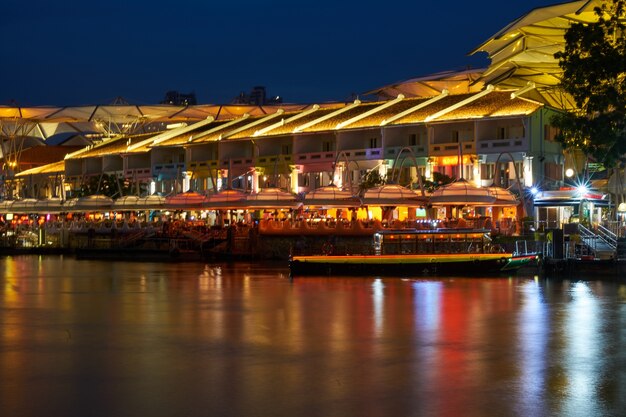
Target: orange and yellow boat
x,y
416,253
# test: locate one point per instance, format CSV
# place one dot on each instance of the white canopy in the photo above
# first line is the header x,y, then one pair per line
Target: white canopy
x,y
461,192
269,198
455,82
95,202
503,196
523,51
331,196
228,199
152,202
392,195
185,201
26,205
49,205
127,202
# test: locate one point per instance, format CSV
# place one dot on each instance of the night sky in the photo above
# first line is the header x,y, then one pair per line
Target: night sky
x,y
85,52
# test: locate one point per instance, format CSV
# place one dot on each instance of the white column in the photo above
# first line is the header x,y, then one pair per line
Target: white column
x,y
294,180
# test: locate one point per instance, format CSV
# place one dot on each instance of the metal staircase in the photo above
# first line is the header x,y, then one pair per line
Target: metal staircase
x,y
602,245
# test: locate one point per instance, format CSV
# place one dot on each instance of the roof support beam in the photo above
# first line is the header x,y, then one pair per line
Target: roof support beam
x,y
226,125
155,139
370,112
460,104
285,121
249,125
326,117
529,86
161,137
423,104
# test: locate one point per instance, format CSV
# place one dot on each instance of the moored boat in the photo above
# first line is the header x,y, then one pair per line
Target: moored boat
x,y
464,252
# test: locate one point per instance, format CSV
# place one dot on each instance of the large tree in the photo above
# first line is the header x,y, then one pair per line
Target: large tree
x,y
594,74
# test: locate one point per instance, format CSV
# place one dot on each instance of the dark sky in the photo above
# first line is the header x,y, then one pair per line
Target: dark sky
x,y
83,52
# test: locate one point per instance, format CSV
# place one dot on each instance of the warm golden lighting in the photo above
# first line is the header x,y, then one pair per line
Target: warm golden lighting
x,y
451,160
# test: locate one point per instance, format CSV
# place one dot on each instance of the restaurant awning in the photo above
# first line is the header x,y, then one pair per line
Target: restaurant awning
x,y
228,199
26,205
272,198
188,200
503,197
461,193
152,202
392,195
330,196
49,205
97,202
133,202
127,202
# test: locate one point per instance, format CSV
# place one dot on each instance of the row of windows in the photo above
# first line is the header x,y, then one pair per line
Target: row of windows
x,y
488,171
415,139
502,132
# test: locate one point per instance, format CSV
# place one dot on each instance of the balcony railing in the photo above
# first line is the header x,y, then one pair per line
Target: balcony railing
x,y
169,167
451,148
138,173
418,150
503,145
329,156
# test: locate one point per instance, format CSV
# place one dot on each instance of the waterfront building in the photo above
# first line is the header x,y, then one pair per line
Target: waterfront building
x,y
489,126
487,138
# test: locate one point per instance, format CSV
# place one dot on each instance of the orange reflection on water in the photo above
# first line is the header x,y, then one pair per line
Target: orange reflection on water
x,y
243,339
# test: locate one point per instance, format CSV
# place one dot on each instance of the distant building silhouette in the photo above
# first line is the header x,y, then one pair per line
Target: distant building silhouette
x,y
180,99
257,96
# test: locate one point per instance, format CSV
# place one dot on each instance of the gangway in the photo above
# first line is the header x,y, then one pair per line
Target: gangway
x,y
602,244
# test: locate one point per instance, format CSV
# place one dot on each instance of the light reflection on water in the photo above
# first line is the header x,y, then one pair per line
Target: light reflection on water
x,y
129,339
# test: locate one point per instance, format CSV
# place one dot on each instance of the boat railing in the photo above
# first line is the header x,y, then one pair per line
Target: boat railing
x,y
607,236
530,247
308,248
318,226
616,227
587,237
600,245
130,239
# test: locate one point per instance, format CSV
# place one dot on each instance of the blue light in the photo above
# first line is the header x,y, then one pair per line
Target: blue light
x,y
534,190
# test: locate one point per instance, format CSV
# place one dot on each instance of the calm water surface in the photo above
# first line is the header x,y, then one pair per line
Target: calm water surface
x,y
83,338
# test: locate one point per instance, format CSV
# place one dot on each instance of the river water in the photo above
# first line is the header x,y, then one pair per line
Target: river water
x,y
90,338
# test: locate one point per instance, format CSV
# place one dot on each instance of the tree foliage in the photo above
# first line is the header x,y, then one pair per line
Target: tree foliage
x,y
594,74
108,185
372,179
439,180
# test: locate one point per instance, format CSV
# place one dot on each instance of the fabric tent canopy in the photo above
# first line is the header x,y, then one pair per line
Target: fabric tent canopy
x,y
49,205
503,197
228,199
152,202
272,198
95,202
127,202
330,196
26,205
460,193
392,195
456,82
523,51
185,201
133,202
